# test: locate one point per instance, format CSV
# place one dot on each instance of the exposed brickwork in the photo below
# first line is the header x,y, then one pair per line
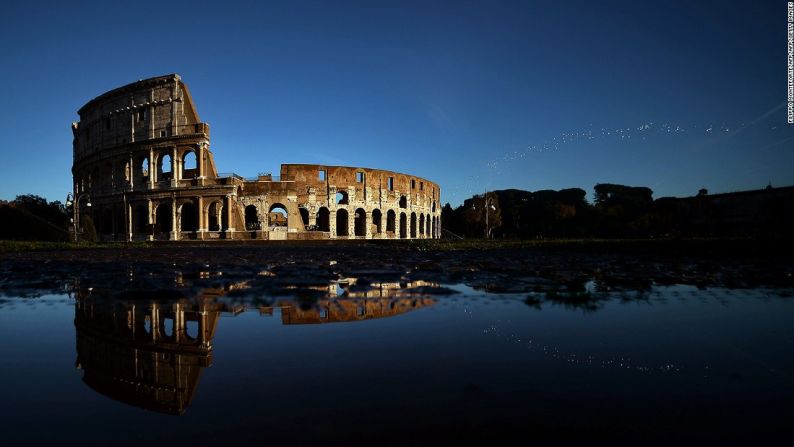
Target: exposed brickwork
x,y
142,160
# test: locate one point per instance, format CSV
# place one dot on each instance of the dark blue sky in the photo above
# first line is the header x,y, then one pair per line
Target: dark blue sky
x,y
474,95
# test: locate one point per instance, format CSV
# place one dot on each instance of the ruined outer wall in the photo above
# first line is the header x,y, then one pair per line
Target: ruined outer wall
x,y
142,161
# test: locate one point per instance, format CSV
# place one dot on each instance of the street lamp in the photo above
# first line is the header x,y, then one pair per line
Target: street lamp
x,y
76,211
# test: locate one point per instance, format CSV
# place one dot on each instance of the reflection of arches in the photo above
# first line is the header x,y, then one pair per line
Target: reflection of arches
x,y
391,218
324,219
304,216
188,216
413,225
277,216
403,226
422,224
163,218
341,198
376,221
360,222
403,202
251,218
341,222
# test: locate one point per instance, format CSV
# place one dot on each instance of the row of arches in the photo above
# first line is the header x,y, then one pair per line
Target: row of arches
x,y
185,217
155,166
421,225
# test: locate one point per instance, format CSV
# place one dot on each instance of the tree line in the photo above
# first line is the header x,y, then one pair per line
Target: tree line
x,y
620,211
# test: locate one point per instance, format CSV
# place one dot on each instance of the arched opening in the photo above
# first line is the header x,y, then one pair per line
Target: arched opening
x,y
163,218
165,167
427,225
342,198
188,216
434,206
119,222
304,216
216,218
391,218
145,168
422,224
433,230
403,226
252,218
403,202
341,222
324,219
140,219
413,225
277,216
189,165
106,223
360,222
376,221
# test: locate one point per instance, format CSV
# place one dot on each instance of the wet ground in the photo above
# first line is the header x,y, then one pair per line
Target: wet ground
x,y
394,344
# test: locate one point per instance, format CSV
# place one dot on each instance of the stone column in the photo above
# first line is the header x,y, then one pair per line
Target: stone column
x,y
397,225
155,321
229,217
332,223
200,160
202,219
152,169
351,224
173,235
174,165
368,224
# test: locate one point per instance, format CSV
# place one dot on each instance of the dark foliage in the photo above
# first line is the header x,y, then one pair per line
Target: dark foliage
x,y
622,211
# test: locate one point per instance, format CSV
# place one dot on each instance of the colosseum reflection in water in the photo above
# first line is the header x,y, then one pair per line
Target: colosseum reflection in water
x,y
143,170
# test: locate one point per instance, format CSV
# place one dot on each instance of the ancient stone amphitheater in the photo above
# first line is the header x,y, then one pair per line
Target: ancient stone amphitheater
x,y
143,170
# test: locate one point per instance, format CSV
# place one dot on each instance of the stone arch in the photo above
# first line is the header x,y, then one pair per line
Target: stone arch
x,y
106,221
341,222
403,202
422,224
140,219
391,221
278,216
377,222
163,219
216,216
304,216
360,222
188,217
165,167
342,197
189,164
413,225
427,226
403,226
323,219
252,218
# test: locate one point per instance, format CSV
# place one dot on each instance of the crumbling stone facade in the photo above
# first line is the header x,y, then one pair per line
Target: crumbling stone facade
x,y
143,170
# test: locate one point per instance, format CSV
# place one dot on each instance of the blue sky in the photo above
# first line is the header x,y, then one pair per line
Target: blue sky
x,y
473,95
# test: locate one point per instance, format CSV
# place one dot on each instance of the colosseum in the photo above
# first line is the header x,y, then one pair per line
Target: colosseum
x,y
143,170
